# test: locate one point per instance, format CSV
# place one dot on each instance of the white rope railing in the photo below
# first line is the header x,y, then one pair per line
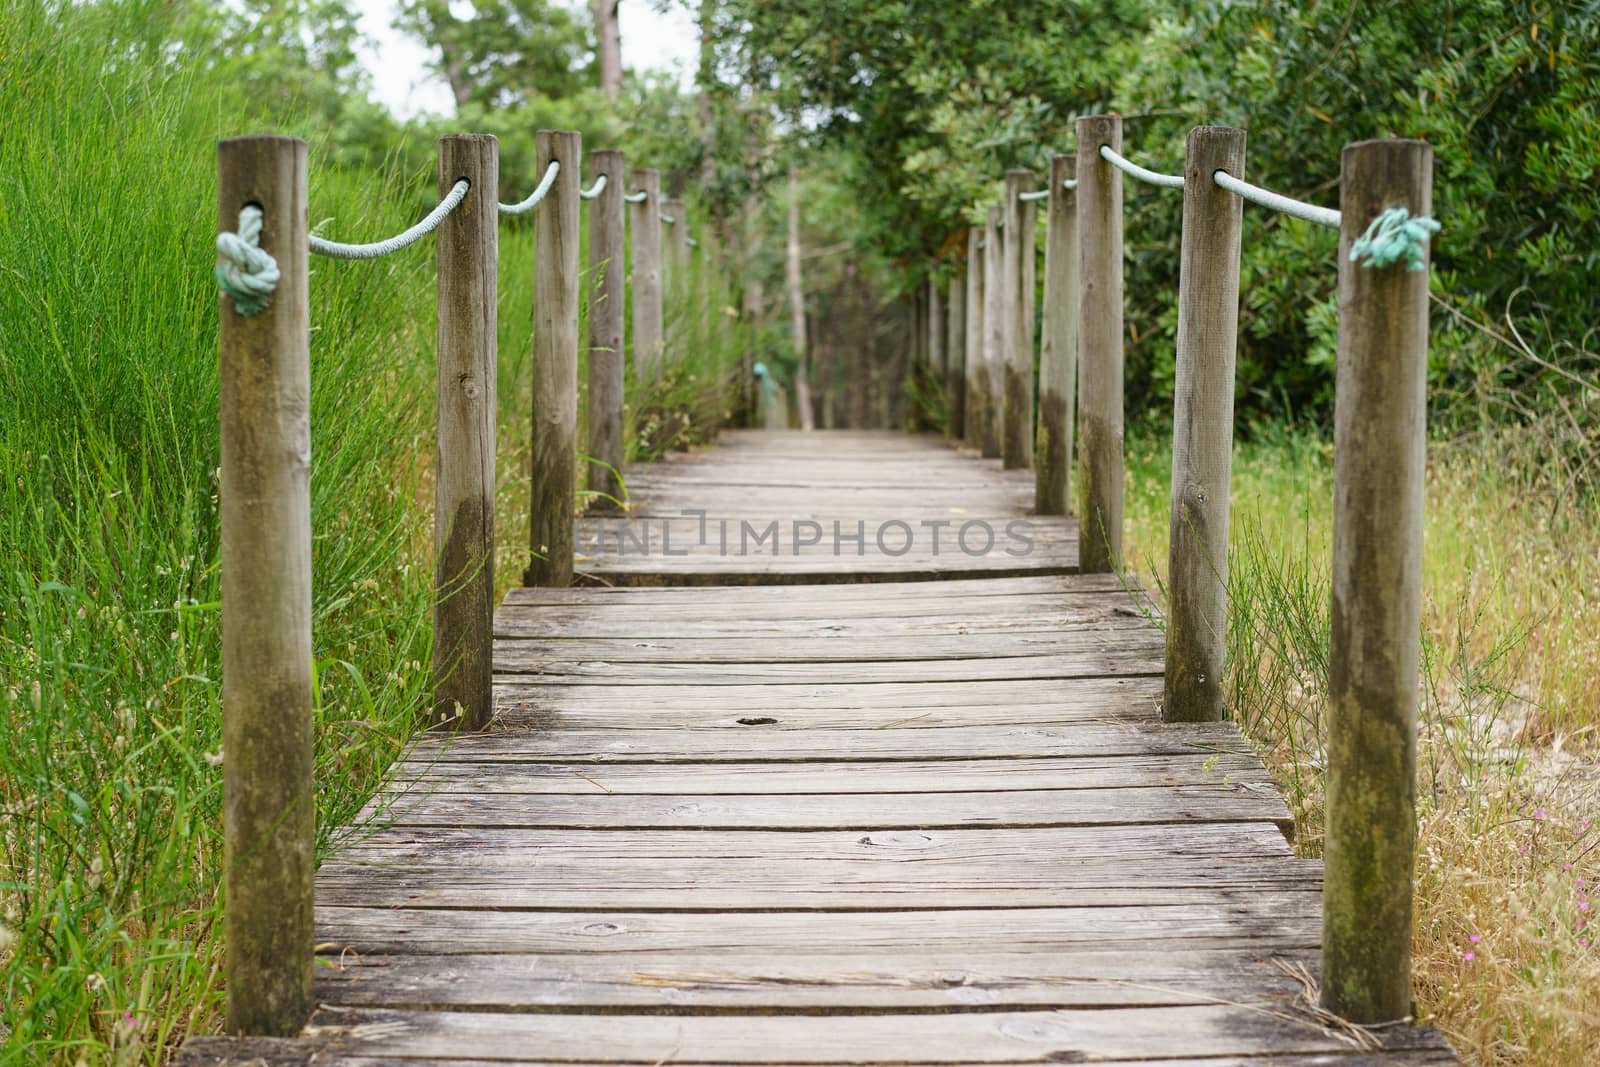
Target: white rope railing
x,y
1149,177
377,249
537,195
594,190
1322,216
638,197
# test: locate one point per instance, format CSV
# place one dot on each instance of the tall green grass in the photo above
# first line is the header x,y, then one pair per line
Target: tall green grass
x,y
109,648
110,780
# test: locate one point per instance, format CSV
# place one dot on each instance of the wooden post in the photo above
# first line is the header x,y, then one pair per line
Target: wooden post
x,y
993,333
794,282
555,363
1058,348
954,357
1202,430
608,254
269,806
644,226
976,375
1380,416
675,281
936,335
1099,347
463,497
1016,339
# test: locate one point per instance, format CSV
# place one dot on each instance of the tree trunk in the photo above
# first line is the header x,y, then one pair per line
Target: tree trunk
x,y
608,37
704,79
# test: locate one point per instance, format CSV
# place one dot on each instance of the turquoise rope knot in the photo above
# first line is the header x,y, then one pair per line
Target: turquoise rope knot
x,y
248,273
1394,235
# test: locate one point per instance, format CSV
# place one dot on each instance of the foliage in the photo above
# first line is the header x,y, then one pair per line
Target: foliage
x,y
933,101
502,53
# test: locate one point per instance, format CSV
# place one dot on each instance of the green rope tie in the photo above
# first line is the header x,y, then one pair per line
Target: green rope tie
x,y
247,273
1393,236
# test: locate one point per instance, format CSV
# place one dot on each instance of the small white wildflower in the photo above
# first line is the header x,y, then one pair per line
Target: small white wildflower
x,y
213,758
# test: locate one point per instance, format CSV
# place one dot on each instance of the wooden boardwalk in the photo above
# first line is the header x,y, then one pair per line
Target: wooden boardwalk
x,y
930,821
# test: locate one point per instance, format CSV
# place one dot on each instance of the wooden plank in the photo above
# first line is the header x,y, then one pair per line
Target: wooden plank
x,y
847,707
881,811
1217,919
879,776
739,743
1137,653
1062,585
894,977
963,1037
983,702
522,652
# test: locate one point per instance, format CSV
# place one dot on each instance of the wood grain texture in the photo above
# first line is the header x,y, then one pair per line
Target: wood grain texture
x,y
1058,346
554,446
608,253
1100,416
269,806
1202,427
834,507
955,352
1017,310
995,302
975,373
644,239
935,821
464,485
1380,443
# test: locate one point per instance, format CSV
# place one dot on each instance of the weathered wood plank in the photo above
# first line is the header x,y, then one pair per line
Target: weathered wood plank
x,y
1065,585
1217,918
841,746
1138,653
889,977
884,811
876,776
963,1037
994,701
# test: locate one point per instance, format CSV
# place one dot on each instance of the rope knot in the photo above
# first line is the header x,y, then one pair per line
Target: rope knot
x,y
247,273
1394,235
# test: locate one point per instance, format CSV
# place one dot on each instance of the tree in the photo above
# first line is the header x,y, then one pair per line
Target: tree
x,y
609,53
504,52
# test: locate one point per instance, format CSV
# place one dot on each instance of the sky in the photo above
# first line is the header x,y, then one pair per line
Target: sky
x,y
651,40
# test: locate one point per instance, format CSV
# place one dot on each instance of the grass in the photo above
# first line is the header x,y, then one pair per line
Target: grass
x,y
1507,776
110,784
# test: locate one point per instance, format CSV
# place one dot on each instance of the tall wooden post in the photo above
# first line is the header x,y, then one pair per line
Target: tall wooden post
x,y
1202,430
675,290
954,356
1028,280
269,806
936,331
608,255
1058,349
1016,339
1099,347
976,373
463,501
555,363
644,232
1380,422
994,324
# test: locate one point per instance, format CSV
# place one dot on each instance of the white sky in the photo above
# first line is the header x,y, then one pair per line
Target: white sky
x,y
650,41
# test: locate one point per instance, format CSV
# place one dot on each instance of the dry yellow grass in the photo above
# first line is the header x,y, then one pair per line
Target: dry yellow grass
x,y
1505,959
